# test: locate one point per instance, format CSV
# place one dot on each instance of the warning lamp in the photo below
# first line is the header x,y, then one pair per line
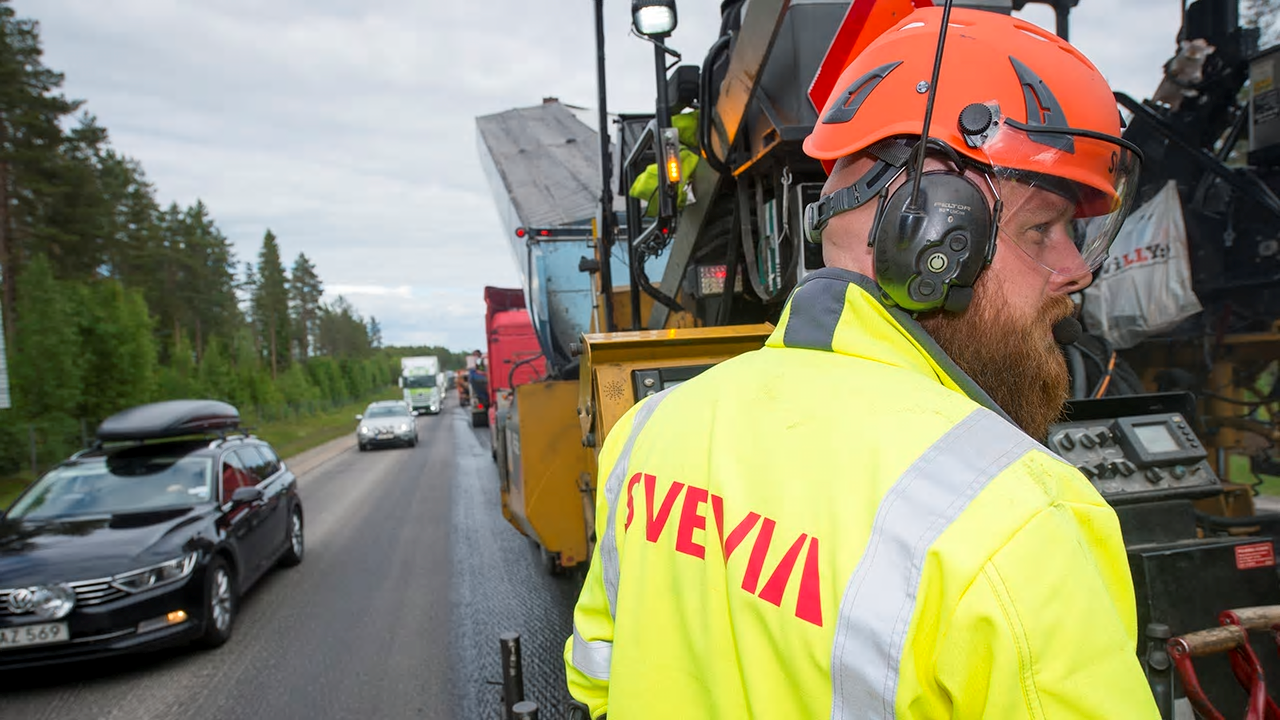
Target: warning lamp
x,y
520,232
653,18
671,154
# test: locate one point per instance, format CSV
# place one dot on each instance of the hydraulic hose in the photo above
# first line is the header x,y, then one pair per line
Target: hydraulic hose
x,y
511,374
637,260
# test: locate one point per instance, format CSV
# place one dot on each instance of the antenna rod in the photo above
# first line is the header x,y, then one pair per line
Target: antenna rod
x,y
914,205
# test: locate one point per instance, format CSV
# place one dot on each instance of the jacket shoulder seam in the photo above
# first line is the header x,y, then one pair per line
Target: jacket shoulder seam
x,y
1026,660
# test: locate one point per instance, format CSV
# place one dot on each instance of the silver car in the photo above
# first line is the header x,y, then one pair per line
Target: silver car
x,y
387,422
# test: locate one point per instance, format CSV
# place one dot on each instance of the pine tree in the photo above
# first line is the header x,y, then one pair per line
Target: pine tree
x,y
271,305
31,139
375,333
133,233
343,333
305,292
208,280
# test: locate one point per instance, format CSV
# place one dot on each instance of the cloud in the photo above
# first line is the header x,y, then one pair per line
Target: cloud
x,y
348,129
404,291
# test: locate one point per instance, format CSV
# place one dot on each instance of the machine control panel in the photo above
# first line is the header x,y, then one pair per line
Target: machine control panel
x,y
1155,456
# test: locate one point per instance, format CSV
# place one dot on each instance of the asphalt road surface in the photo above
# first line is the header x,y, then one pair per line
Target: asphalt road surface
x,y
411,574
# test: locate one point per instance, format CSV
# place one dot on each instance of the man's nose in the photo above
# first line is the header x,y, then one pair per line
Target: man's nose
x,y
1071,280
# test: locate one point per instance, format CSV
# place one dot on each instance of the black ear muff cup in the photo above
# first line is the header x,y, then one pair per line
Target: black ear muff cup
x,y
928,257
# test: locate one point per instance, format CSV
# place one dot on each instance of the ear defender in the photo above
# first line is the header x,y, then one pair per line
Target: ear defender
x,y
929,258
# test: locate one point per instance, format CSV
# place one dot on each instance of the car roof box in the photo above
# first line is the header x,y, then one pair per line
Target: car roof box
x,y
171,418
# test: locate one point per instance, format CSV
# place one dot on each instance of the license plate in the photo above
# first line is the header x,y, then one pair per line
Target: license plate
x,y
25,635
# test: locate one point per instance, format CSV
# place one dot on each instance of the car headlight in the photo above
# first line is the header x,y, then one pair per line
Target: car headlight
x,y
53,602
149,577
404,427
364,429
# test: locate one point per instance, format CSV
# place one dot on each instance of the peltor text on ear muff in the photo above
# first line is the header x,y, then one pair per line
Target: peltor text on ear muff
x,y
928,257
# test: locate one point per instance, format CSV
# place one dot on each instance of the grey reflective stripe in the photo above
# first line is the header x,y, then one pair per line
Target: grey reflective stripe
x,y
612,489
592,658
875,613
816,307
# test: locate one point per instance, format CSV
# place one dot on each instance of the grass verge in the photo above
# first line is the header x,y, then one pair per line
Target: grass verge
x,y
289,436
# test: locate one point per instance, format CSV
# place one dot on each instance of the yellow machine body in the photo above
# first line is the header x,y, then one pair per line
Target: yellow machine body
x,y
545,467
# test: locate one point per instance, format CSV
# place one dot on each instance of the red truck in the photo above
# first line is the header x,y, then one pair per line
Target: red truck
x,y
514,356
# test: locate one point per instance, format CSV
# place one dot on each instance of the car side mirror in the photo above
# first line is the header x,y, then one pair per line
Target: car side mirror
x,y
246,495
359,417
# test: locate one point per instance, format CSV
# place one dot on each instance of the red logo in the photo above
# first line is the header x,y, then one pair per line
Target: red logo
x,y
693,517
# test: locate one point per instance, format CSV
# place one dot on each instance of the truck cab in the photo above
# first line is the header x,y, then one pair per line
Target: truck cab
x,y
420,380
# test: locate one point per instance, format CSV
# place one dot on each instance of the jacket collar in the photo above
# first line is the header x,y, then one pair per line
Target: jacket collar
x,y
835,310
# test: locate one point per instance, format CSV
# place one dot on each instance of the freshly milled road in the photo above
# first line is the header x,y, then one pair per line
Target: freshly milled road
x,y
410,576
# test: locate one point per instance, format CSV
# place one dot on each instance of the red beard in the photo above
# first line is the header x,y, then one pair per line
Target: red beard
x,y
1017,363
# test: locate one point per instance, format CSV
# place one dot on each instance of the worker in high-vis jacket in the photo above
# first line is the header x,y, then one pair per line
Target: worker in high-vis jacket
x,y
859,520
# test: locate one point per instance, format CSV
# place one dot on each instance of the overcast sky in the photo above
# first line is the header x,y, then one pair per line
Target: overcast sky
x,y
347,127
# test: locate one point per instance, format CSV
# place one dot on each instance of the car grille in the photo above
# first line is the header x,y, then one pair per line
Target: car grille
x,y
88,592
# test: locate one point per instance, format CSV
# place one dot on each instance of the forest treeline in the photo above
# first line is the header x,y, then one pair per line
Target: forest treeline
x,y
111,299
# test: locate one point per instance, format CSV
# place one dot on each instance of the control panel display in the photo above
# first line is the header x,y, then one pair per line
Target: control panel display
x,y
1155,437
1137,458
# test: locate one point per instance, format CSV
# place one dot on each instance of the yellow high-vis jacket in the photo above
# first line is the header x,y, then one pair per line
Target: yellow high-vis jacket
x,y
842,525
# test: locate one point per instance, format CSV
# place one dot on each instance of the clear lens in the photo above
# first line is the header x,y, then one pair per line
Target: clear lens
x,y
1064,196
164,573
655,20
53,602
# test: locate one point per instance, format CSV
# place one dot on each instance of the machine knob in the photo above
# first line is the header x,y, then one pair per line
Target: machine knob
x,y
1086,471
1179,471
1126,468
1103,437
1153,475
1087,441
1066,443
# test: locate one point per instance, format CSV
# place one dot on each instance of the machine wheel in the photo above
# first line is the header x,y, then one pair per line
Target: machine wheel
x,y
297,544
413,443
362,447
219,603
479,419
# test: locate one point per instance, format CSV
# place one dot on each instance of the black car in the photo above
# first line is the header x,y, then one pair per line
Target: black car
x,y
146,541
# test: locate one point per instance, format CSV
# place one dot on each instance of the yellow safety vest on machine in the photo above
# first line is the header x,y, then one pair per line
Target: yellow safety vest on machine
x,y
841,524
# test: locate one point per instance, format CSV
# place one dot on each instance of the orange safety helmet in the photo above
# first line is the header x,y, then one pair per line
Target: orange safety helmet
x,y
1011,97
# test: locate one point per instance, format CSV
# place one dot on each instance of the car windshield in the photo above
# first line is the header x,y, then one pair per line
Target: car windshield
x,y
386,411
420,381
118,484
